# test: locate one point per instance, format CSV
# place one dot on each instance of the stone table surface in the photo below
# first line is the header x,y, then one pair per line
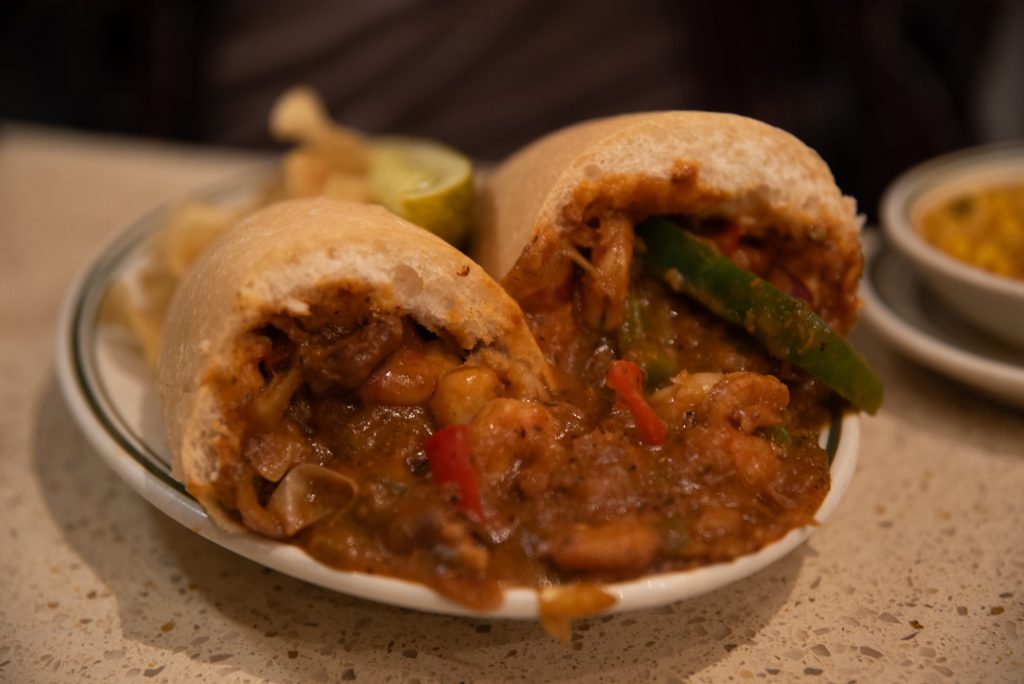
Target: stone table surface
x,y
918,576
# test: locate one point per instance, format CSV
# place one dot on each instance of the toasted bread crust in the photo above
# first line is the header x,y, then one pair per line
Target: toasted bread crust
x,y
714,164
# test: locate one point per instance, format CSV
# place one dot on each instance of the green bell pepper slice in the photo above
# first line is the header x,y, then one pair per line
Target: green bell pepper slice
x,y
787,327
637,345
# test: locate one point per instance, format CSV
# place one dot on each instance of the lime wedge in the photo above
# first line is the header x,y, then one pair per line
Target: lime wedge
x,y
424,182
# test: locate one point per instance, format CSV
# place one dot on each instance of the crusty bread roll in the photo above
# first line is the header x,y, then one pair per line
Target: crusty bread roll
x,y
673,163
282,257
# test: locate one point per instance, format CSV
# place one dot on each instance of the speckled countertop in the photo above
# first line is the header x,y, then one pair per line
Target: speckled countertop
x,y
918,577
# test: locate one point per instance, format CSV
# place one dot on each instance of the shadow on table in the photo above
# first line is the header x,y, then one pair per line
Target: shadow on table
x,y
178,592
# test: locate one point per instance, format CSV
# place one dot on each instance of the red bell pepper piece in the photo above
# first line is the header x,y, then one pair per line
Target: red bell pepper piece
x,y
626,378
448,453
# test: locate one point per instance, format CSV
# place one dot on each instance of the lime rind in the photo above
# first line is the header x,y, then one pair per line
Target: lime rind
x,y
425,182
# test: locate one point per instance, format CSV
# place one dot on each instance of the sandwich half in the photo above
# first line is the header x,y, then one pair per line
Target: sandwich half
x,y
305,361
690,277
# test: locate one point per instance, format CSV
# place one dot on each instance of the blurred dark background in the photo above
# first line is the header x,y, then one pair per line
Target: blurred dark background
x,y
874,85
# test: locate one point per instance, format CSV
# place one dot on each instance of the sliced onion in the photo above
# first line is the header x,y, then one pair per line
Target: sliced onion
x,y
268,406
790,284
272,454
254,516
309,493
799,290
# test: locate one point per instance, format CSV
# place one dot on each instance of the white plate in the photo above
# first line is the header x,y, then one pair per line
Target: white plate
x,y
113,399
906,313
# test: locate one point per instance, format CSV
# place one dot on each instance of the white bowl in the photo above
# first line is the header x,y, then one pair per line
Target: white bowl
x,y
992,302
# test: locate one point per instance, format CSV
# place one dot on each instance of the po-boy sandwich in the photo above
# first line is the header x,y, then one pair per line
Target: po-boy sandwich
x,y
648,399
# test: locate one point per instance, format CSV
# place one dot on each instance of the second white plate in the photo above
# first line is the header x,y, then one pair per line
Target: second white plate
x,y
914,321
